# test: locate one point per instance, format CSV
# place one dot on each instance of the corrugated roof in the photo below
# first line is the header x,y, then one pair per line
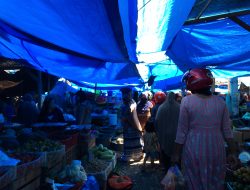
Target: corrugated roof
x,y
6,64
206,9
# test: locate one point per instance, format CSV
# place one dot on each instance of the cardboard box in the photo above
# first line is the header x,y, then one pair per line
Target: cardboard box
x,y
246,135
238,136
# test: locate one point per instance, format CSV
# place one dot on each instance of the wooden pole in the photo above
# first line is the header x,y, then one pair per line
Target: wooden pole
x,y
39,89
95,90
234,94
48,77
213,86
95,87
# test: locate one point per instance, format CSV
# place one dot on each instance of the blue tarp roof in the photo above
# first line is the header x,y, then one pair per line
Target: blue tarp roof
x,y
105,42
220,44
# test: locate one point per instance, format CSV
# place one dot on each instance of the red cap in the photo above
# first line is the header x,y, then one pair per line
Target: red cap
x,y
159,97
196,79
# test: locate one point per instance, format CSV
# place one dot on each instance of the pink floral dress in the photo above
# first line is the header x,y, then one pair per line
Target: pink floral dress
x,y
203,125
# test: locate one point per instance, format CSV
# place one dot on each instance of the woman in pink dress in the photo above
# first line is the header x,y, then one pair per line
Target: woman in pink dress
x,y
204,126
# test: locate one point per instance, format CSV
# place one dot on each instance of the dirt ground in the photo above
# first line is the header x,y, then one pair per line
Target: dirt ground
x,y
147,178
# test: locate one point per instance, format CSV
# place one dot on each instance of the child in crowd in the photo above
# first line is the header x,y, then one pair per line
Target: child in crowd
x,y
151,146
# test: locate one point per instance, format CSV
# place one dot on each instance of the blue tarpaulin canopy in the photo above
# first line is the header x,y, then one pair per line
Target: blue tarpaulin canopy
x,y
111,43
220,44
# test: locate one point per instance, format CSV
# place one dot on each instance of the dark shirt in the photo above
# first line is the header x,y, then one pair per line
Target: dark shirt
x,y
56,115
27,113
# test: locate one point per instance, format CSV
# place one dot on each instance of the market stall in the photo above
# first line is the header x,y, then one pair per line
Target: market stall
x,y
48,149
238,178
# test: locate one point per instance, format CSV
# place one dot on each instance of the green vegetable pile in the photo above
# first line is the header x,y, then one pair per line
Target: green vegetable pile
x,y
102,152
42,146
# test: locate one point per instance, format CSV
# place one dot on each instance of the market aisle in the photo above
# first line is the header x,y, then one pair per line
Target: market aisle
x,y
143,180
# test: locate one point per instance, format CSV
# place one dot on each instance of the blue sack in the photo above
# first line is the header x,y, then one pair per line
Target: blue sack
x,y
91,184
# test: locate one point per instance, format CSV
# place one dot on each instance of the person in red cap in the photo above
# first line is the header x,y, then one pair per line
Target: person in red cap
x,y
203,128
159,98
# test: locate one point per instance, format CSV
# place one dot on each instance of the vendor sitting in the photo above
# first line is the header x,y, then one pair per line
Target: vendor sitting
x,y
50,112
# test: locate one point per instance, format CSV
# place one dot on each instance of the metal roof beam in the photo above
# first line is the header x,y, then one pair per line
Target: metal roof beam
x,y
204,9
240,23
216,17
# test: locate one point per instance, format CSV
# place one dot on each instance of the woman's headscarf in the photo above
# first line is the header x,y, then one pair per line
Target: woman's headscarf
x,y
166,123
171,98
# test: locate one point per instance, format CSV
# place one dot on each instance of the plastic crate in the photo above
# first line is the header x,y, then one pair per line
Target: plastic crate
x,y
8,174
102,176
28,174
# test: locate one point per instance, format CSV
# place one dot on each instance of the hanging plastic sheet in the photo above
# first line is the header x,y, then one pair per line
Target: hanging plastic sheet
x,y
79,26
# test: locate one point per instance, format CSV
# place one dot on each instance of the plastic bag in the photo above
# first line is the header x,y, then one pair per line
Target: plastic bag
x,y
7,161
91,184
246,116
1,118
174,179
115,181
244,157
69,117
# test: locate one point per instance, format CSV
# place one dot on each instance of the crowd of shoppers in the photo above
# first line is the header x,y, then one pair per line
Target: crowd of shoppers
x,y
191,132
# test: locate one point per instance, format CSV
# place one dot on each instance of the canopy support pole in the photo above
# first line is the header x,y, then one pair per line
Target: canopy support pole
x,y
39,89
213,86
48,82
95,87
234,94
95,90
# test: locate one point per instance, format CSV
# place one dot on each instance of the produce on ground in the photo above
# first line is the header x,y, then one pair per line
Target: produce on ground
x,y
241,179
239,186
243,174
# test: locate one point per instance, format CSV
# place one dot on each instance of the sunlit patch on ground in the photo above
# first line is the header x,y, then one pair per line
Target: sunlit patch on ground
x,y
141,163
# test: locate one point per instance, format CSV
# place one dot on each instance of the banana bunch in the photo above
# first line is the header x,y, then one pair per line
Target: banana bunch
x,y
102,152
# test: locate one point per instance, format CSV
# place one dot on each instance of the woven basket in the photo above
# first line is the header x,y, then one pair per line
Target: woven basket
x,y
7,175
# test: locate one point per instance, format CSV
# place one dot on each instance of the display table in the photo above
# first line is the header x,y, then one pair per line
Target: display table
x,y
50,125
13,125
243,133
